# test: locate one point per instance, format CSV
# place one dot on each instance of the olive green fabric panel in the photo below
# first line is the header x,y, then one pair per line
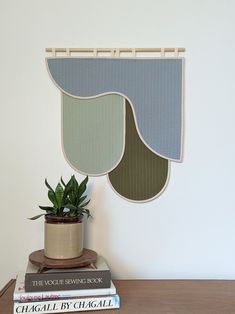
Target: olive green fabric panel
x,y
141,175
93,132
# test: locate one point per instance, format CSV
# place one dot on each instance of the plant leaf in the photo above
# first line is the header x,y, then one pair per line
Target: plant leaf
x,y
85,181
84,204
52,198
82,187
48,185
59,194
85,210
81,199
75,185
62,181
67,189
36,217
46,208
71,207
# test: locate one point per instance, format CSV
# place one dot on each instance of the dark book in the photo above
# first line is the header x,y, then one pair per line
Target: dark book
x,y
68,279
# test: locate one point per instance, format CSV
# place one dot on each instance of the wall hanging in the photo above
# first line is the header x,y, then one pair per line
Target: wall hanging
x,y
122,116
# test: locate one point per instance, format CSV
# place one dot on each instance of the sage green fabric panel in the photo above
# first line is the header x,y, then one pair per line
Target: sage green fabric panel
x,y
141,175
93,132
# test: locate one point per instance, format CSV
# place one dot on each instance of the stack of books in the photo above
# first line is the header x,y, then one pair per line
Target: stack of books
x,y
65,290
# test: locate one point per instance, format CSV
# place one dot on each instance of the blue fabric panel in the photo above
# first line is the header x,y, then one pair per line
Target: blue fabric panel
x,y
152,86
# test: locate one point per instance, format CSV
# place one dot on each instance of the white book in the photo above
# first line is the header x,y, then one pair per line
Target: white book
x,y
69,305
20,295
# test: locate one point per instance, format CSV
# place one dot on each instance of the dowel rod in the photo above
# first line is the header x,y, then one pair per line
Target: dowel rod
x,y
114,49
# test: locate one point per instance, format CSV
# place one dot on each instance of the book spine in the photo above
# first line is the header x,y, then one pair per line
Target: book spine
x,y
67,281
70,305
55,295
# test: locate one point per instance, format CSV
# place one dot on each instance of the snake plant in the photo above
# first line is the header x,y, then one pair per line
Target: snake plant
x,y
68,199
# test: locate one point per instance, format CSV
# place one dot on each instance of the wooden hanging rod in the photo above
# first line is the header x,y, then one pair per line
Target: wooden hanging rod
x,y
114,50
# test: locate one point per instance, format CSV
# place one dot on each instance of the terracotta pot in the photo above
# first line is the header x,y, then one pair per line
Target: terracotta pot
x,y
63,237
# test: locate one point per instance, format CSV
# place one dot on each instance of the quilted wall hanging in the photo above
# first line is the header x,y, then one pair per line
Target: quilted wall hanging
x,y
121,116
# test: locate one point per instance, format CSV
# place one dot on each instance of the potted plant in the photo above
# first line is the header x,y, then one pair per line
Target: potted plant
x,y
63,228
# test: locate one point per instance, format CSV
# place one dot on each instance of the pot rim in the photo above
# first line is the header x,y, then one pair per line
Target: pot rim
x,y
63,220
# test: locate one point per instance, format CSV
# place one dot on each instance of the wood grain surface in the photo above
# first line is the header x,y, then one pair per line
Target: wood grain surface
x,y
40,260
162,297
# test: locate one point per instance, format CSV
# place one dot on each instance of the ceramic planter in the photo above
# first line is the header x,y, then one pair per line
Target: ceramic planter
x,y
63,237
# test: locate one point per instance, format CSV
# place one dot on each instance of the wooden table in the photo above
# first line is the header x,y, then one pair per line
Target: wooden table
x,y
162,297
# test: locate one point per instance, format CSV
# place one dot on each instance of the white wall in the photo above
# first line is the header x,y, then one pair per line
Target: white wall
x,y
189,232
